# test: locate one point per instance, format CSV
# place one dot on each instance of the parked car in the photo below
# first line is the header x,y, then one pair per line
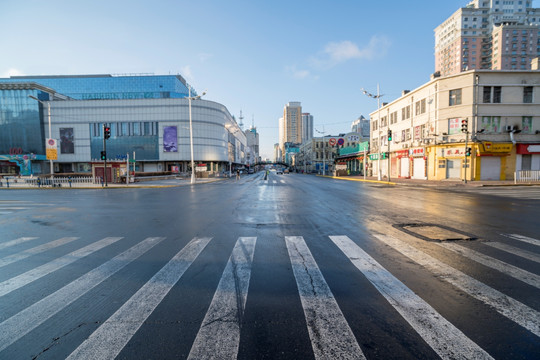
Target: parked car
x,y
279,171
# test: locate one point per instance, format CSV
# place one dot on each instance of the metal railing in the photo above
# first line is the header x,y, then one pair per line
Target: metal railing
x,y
15,181
526,176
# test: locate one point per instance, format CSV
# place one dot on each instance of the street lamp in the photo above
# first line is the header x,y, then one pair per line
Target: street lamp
x,y
324,152
191,132
378,97
49,118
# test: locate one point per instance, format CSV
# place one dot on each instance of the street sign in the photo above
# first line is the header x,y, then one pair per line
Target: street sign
x,y
341,141
332,141
51,149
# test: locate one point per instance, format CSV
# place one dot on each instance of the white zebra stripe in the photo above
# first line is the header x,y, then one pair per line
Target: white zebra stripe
x,y
443,337
330,334
16,242
28,319
35,250
510,270
219,335
111,337
526,239
529,255
45,269
505,305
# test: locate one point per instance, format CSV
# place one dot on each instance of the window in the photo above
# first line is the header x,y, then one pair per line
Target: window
x,y
455,97
497,94
527,94
491,124
526,125
487,94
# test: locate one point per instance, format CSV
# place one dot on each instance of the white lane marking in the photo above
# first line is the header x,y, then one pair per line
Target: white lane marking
x,y
111,337
28,319
219,335
529,255
330,334
16,242
45,269
12,208
274,182
505,305
505,268
35,250
443,337
523,238
282,181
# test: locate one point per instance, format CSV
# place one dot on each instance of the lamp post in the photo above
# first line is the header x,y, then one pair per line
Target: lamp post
x,y
378,97
49,119
324,152
191,132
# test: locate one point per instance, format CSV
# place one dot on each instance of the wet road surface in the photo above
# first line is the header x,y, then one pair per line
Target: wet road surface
x,y
288,267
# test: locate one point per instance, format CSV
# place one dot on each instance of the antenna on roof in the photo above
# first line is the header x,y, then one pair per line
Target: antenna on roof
x,y
241,123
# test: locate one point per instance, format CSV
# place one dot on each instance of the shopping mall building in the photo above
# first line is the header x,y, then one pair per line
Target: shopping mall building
x,y
148,116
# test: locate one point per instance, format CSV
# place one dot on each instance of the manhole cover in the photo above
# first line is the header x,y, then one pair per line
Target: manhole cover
x,y
433,232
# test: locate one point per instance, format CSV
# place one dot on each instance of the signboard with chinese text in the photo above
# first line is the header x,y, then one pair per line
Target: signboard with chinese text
x,y
453,152
454,126
51,149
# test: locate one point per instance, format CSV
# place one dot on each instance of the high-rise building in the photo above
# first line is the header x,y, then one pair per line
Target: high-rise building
x,y
292,124
488,34
252,139
307,127
361,126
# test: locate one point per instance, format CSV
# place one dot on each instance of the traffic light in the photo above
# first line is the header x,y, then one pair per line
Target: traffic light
x,y
464,125
103,155
106,132
389,135
468,151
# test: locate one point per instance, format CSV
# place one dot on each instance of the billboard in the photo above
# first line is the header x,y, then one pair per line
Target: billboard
x,y
67,145
170,139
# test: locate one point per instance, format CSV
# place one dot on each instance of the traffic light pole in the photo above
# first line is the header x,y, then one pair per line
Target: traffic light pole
x,y
389,139
105,159
466,156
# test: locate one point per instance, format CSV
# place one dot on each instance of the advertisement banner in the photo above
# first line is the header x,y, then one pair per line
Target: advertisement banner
x,y
67,145
170,139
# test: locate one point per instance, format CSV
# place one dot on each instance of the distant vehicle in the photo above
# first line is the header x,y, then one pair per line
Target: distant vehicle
x,y
286,171
251,171
279,171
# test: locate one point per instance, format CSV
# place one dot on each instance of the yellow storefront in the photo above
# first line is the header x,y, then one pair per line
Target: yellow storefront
x,y
494,161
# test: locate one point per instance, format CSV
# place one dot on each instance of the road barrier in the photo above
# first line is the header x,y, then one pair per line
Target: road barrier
x,y
24,182
526,176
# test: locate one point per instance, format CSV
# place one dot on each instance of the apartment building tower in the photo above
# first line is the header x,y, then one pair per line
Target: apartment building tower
x,y
307,127
488,34
292,124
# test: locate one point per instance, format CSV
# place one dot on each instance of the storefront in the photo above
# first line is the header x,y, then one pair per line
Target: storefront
x,y
403,160
418,157
492,161
450,163
527,157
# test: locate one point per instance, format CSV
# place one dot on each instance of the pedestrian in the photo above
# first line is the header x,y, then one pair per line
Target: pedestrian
x,y
238,174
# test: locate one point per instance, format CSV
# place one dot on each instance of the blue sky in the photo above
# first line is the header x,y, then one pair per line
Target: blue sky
x,y
253,56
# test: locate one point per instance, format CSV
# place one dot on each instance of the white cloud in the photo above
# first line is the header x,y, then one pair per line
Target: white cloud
x,y
185,71
300,73
335,53
205,56
12,72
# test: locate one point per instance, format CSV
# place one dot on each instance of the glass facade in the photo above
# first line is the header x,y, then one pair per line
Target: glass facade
x,y
21,127
125,140
108,87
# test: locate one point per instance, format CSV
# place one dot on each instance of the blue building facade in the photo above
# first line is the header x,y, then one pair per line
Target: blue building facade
x,y
109,87
148,117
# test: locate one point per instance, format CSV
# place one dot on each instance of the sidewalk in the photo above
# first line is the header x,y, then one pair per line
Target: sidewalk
x,y
435,183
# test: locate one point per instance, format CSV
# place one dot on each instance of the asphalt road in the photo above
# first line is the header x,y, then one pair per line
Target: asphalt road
x,y
289,267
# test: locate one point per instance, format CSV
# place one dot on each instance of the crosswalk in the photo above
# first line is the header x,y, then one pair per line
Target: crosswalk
x,y
515,192
13,206
220,332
